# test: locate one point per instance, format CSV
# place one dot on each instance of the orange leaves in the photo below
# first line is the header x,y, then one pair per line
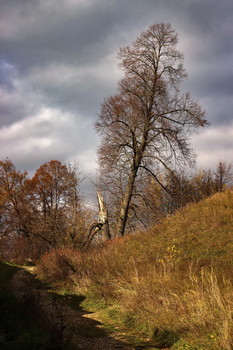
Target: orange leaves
x,y
55,182
45,210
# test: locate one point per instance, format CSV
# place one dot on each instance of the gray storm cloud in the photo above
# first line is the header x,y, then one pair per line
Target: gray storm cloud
x,y
59,61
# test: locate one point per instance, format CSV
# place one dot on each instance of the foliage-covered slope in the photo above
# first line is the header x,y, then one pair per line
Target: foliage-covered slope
x,y
173,282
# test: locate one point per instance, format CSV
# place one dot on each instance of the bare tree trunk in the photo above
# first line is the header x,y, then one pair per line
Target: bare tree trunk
x,y
103,218
101,225
106,232
124,210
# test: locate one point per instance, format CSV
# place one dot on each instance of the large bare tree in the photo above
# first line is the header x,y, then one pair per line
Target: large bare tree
x,y
147,124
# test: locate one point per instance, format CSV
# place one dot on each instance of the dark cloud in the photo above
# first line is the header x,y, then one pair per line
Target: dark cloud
x,y
58,62
41,33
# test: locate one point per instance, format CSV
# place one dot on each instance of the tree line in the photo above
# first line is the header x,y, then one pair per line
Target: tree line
x,y
47,211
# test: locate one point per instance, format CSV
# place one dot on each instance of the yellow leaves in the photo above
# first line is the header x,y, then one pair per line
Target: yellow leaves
x,y
172,254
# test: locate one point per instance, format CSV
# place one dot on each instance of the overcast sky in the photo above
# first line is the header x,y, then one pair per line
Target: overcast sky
x,y
58,62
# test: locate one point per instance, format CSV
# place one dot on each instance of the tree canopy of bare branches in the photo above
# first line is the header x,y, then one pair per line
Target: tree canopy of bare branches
x,y
147,124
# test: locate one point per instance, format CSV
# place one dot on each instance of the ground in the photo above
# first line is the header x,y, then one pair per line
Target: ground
x,y
74,328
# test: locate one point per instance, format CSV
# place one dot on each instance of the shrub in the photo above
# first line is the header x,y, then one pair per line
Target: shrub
x,y
56,265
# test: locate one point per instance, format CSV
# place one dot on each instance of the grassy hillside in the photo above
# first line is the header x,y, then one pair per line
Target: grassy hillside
x,y
173,283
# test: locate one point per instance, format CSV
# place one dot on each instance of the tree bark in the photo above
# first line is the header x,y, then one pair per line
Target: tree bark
x,y
124,210
103,218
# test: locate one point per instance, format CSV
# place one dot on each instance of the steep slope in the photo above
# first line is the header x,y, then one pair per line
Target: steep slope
x,y
173,282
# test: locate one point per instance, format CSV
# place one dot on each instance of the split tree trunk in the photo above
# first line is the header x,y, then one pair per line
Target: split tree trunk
x,y
103,218
101,225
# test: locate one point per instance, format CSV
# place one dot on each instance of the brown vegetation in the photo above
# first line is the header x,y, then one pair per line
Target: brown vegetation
x,y
171,282
40,213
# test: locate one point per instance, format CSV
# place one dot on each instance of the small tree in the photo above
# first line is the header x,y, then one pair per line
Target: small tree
x,y
146,125
223,175
57,203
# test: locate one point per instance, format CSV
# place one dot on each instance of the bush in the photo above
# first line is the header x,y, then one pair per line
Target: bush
x,y
57,265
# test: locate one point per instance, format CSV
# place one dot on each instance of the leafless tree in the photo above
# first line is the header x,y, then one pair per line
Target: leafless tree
x,y
147,124
223,175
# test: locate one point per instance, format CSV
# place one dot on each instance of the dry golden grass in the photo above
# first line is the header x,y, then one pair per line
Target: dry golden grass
x,y
174,281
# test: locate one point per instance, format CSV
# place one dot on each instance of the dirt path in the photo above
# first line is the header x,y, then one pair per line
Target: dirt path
x,y
63,316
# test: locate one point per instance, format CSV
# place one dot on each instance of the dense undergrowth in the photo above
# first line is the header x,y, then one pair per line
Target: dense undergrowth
x,y
172,283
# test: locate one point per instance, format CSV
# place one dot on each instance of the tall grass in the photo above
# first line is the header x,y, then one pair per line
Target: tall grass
x,y
172,282
188,301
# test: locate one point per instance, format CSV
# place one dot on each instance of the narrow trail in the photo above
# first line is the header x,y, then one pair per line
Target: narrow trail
x,y
72,327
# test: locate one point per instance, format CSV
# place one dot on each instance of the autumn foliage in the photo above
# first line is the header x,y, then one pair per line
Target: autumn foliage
x,y
40,213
